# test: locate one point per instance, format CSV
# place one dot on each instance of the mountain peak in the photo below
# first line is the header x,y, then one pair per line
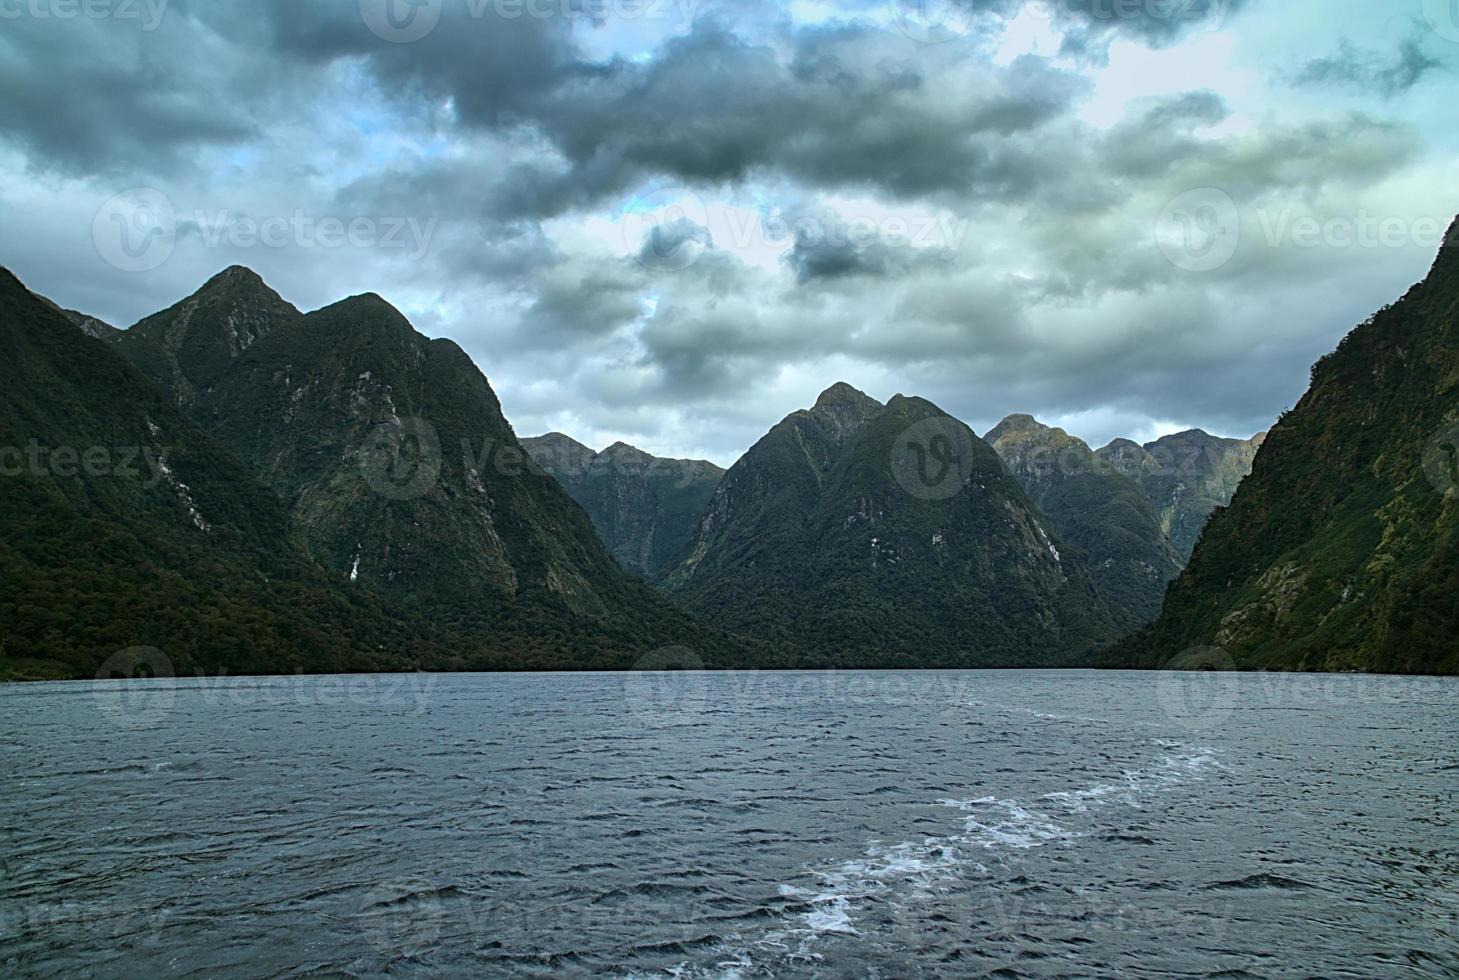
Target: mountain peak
x,y
1018,422
367,310
187,347
369,301
842,394
1449,248
558,439
234,274
623,449
1122,443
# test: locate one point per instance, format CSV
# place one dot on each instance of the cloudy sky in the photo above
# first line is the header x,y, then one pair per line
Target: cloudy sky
x,y
675,221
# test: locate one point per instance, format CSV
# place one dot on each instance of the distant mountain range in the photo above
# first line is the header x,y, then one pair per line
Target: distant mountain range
x,y
248,488
1186,476
1098,510
887,535
645,508
648,509
1341,550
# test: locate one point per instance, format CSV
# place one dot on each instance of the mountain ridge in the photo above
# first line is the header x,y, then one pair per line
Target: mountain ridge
x,y
886,535
644,507
1096,508
133,534
401,476
1341,550
1186,476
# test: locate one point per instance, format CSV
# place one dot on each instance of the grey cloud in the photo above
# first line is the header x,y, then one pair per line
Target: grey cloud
x,y
675,243
132,99
1369,69
828,247
848,105
1091,24
578,302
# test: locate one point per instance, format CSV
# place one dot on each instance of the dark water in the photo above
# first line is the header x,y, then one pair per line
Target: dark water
x,y
940,824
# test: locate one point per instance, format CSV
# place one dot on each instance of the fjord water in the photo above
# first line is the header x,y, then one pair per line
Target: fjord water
x,y
893,824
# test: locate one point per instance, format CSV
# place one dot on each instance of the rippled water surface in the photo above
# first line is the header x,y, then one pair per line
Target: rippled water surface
x,y
937,824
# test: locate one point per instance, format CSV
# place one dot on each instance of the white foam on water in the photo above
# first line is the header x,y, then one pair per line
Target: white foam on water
x,y
831,914
910,868
1012,709
1006,823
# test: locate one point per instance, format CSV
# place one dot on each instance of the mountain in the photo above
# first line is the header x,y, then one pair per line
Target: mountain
x,y
1096,509
644,508
1341,550
886,535
187,347
126,526
89,325
400,476
1186,477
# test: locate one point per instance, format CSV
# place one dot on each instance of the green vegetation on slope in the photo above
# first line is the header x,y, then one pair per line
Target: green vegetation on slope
x,y
644,508
124,525
1186,477
1097,510
1341,550
401,478
873,535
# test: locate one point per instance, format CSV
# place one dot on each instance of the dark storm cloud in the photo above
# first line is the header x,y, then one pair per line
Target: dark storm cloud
x,y
848,107
494,68
842,105
1371,70
1091,24
86,96
821,257
579,302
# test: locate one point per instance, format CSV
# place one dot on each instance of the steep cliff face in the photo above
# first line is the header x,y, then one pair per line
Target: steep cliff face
x,y
188,347
1096,509
1186,477
883,535
126,526
1341,550
645,508
401,477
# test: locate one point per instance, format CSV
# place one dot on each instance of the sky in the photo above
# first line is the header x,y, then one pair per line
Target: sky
x,y
674,222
